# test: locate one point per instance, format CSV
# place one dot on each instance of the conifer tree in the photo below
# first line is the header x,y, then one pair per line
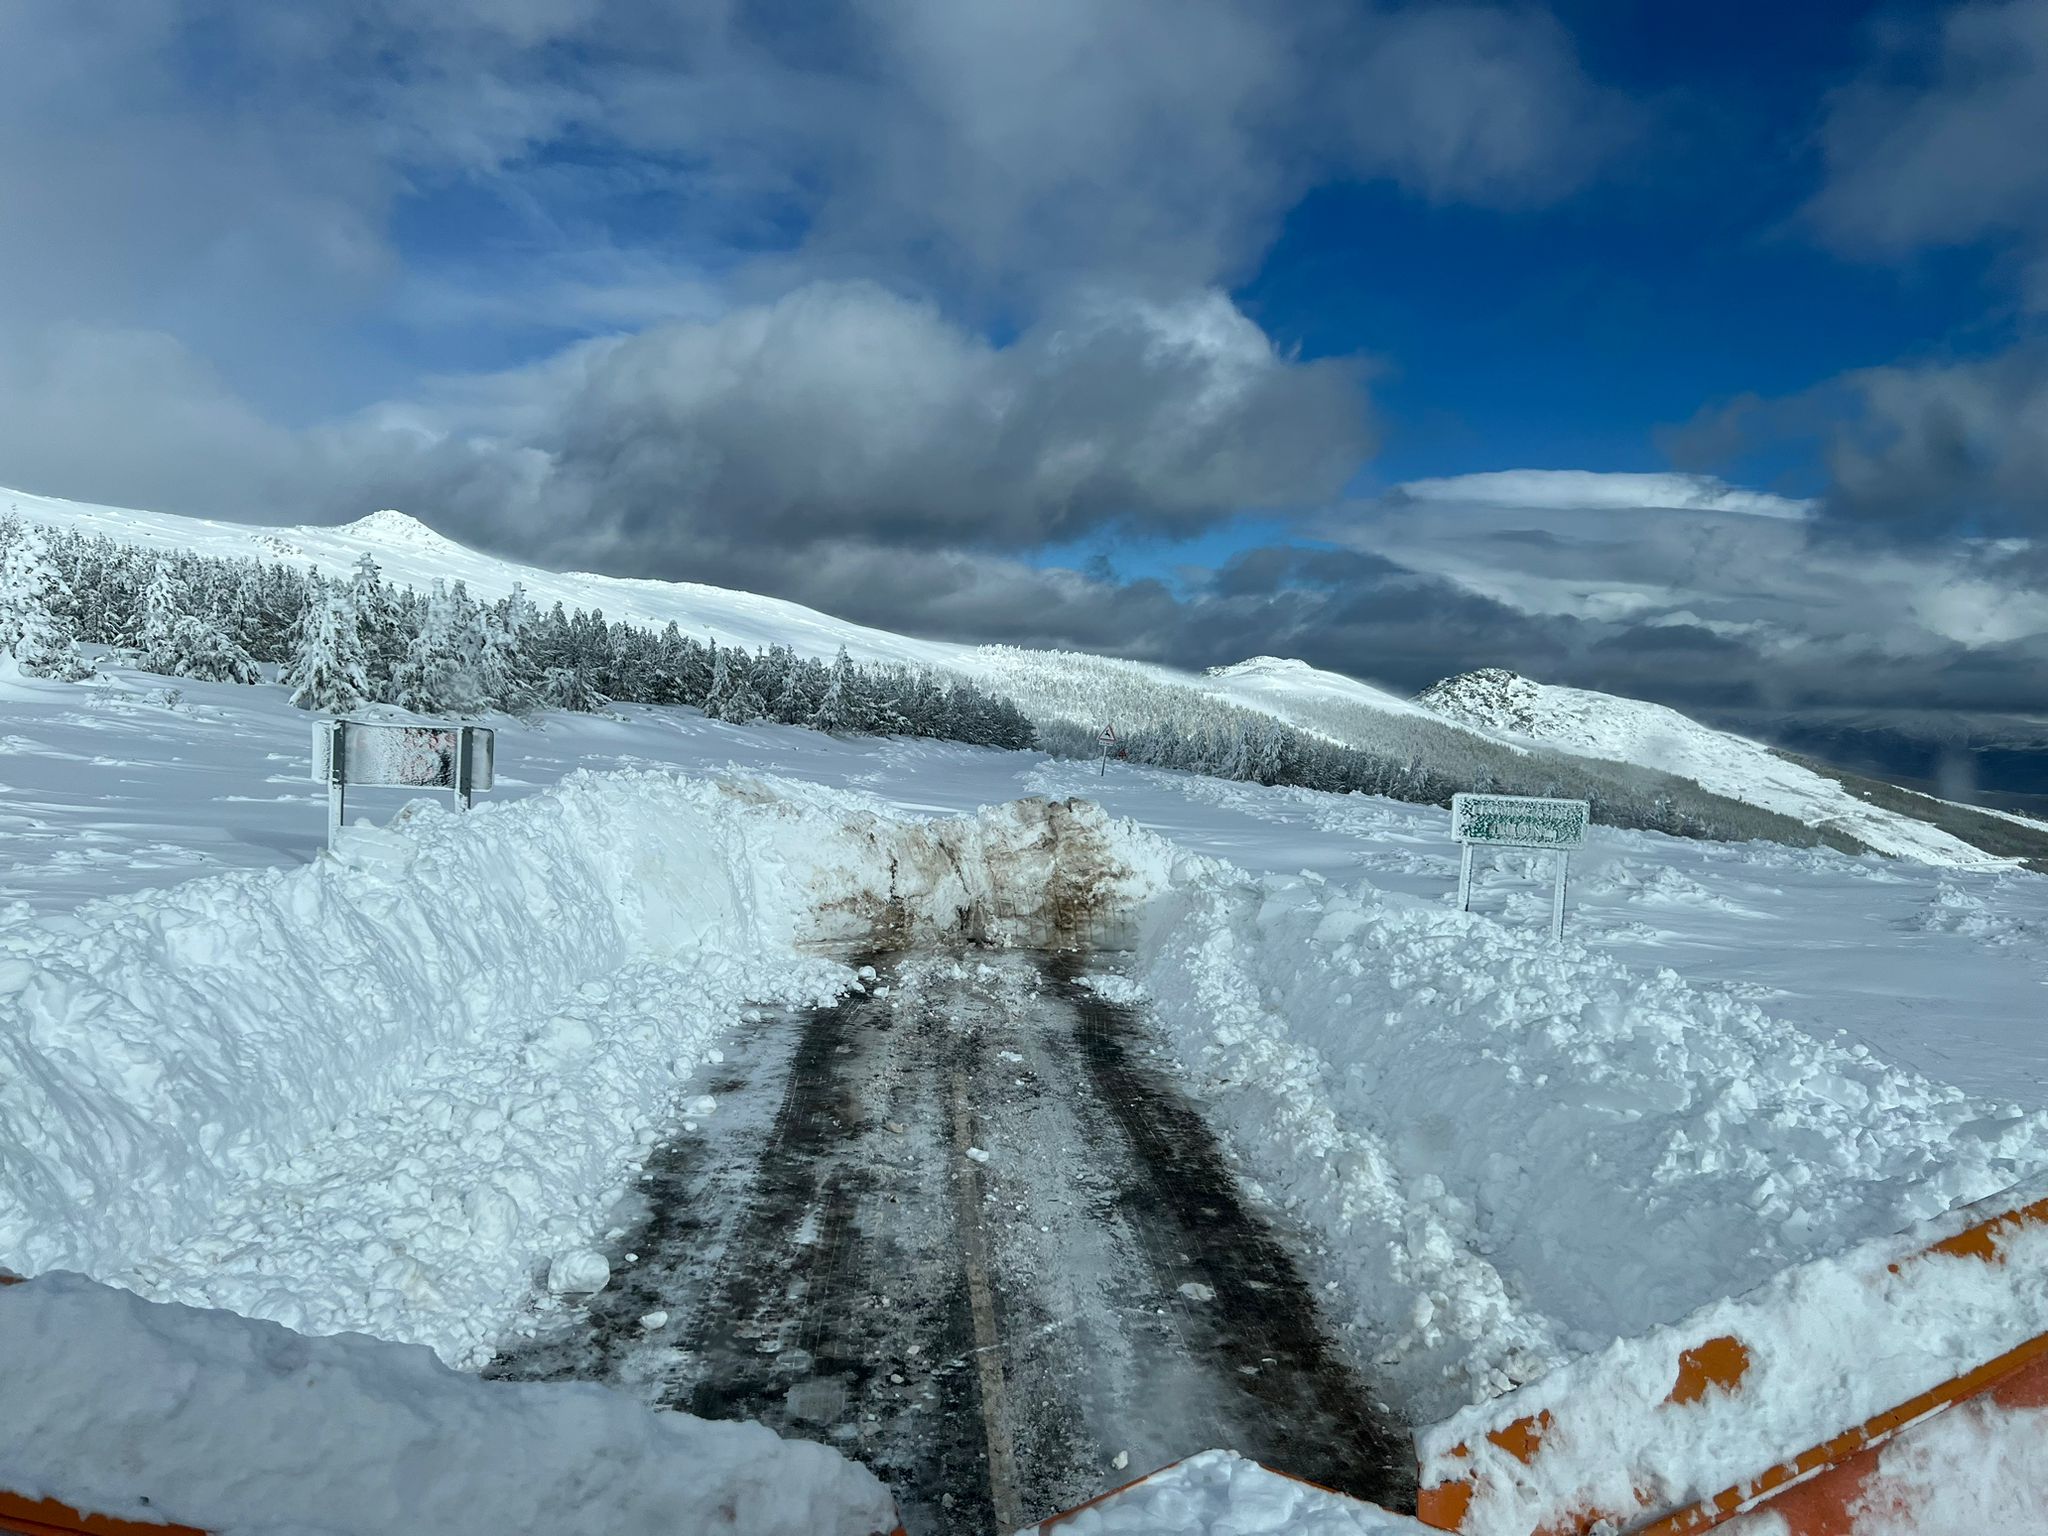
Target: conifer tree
x,y
326,670
834,711
29,597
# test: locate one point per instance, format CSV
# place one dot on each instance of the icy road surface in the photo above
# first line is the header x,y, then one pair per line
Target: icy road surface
x,y
963,1226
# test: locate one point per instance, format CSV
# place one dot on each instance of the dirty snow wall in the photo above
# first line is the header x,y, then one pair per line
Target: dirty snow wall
x,y
375,1092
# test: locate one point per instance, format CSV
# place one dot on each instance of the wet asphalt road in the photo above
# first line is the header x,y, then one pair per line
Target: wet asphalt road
x,y
965,1227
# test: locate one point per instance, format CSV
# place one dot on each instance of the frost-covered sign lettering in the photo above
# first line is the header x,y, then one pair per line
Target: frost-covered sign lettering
x,y
1519,821
453,757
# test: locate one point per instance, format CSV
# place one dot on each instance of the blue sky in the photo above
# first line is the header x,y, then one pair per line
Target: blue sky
x,y
1176,328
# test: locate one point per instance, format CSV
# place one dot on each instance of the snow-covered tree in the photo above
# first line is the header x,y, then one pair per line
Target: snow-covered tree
x,y
439,675
506,676
568,688
179,640
30,597
835,704
743,704
200,648
326,670
381,622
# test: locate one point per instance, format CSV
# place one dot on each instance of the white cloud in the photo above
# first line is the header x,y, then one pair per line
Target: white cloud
x,y
1579,490
1681,551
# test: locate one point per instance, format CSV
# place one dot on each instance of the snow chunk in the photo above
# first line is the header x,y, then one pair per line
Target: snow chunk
x,y
236,1425
580,1271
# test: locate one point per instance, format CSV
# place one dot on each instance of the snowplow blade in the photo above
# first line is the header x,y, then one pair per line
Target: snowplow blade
x,y
47,1517
1894,1386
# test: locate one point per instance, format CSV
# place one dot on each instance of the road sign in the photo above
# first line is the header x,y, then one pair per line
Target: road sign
x,y
452,757
1519,821
1108,740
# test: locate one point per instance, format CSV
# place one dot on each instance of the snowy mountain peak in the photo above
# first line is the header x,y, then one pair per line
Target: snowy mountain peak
x,y
1263,666
1492,698
402,529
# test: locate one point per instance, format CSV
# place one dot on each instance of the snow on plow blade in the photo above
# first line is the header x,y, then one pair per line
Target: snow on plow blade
x,y
1896,1386
47,1517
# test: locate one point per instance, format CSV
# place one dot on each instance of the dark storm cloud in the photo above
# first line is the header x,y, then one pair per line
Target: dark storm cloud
x,y
1927,451
1941,450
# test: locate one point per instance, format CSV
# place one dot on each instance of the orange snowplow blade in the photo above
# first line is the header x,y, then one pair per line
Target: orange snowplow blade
x,y
46,1517
1817,1490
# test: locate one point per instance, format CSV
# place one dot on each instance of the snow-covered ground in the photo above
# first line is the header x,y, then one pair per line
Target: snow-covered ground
x,y
1841,1043
387,1090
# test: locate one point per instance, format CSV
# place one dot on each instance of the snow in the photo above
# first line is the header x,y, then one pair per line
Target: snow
x,y
1219,1493
393,1090
1329,704
244,1428
412,554
1520,1152
1604,725
2006,1452
1831,1344
1282,684
403,1076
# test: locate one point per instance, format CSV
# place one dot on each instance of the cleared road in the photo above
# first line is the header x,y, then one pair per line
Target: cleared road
x,y
966,1227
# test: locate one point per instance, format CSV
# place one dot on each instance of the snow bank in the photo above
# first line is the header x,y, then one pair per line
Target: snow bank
x,y
239,1426
382,1091
1516,1153
1829,1345
1220,1493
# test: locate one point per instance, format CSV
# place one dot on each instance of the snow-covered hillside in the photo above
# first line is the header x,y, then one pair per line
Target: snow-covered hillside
x,y
1301,694
412,554
1605,726
1489,710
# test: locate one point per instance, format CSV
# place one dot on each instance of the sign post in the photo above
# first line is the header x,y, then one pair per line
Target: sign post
x,y
1108,740
459,758
1519,821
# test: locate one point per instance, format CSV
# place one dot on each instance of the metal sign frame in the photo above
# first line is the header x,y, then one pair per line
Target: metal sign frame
x,y
1528,814
470,762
